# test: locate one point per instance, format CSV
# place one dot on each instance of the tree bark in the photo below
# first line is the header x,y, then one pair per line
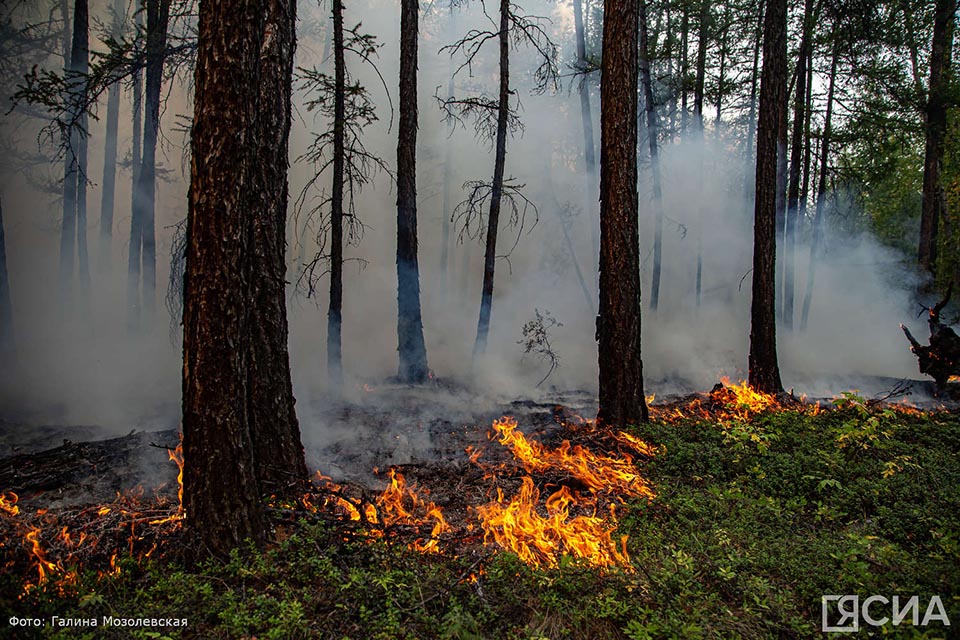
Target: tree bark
x,y
496,191
702,40
618,324
108,188
274,429
936,129
796,158
818,220
6,307
411,348
221,490
652,134
335,311
684,65
764,369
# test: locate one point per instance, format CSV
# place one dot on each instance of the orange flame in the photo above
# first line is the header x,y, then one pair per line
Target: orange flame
x,y
537,540
8,503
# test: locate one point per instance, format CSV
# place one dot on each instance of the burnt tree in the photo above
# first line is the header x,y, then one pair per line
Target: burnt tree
x,y
941,358
936,132
411,348
108,187
243,58
764,369
618,324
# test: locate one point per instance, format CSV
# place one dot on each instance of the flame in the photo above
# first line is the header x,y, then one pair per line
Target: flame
x,y
8,503
537,540
392,509
600,473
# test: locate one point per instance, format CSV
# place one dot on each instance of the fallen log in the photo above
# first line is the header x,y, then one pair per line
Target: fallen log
x,y
941,358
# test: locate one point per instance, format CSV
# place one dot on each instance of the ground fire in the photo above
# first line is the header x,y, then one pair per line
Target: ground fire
x,y
537,501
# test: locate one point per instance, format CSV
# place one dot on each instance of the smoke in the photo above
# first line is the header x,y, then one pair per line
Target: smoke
x,y
77,363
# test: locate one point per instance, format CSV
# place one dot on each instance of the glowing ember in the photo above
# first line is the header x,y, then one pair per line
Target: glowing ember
x,y
8,503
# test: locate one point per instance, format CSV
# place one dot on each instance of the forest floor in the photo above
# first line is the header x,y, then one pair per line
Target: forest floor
x,y
757,512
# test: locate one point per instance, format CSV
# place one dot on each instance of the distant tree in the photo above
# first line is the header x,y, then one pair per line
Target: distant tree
x,y
6,308
797,143
73,229
411,348
652,138
494,118
144,199
618,324
936,128
108,185
764,369
234,244
349,109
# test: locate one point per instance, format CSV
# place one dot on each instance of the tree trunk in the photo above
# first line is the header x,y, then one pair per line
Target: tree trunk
x,y
274,429
411,348
335,312
724,31
136,236
818,220
684,65
749,173
652,133
447,186
618,323
73,177
221,492
936,129
586,117
110,155
796,158
82,65
6,308
496,191
158,13
764,370
702,40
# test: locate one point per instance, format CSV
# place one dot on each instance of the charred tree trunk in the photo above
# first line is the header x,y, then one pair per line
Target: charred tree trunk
x,y
684,64
618,324
6,307
652,133
83,67
496,191
750,175
702,40
158,14
274,429
724,31
335,312
136,236
74,170
936,130
221,491
764,369
110,156
796,158
941,359
818,220
411,348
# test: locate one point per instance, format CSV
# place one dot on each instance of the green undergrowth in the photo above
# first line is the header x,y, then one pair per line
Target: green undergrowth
x,y
753,523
